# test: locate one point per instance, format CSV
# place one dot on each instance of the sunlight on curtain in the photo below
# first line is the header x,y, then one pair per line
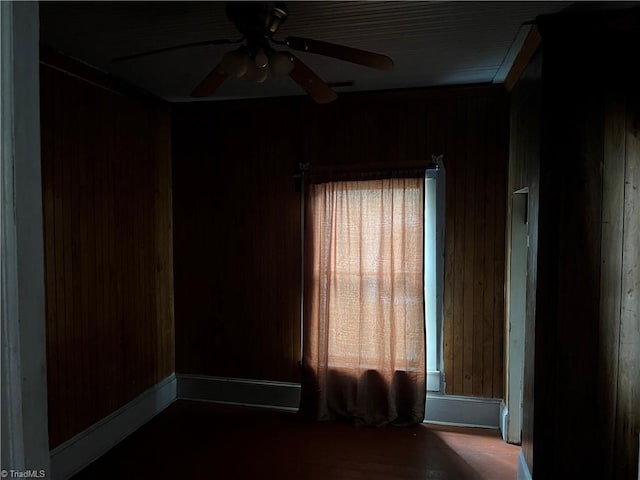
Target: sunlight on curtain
x,y
364,345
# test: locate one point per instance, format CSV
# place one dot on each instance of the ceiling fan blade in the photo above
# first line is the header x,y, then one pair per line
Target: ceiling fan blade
x,y
310,82
353,55
176,47
211,83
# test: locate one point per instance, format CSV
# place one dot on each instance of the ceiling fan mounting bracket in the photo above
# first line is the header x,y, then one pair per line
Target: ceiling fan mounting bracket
x,y
257,20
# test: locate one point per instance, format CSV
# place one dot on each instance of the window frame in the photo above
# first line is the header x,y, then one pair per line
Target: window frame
x,y
434,222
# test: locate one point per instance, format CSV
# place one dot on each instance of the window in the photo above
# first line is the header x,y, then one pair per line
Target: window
x,y
372,223
375,265
364,327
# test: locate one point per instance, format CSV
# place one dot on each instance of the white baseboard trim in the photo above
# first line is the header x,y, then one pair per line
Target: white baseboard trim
x,y
523,468
463,411
441,409
239,391
87,446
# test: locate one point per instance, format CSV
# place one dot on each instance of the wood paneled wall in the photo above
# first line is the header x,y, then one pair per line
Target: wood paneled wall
x,y
107,220
619,323
237,221
237,239
582,393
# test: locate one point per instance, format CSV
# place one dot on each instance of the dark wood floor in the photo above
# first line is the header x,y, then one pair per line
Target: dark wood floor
x,y
212,441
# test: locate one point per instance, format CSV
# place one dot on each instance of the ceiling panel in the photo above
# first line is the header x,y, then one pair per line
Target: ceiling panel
x,y
431,43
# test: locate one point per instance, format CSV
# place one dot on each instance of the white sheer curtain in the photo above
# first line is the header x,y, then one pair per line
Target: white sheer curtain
x,y
364,333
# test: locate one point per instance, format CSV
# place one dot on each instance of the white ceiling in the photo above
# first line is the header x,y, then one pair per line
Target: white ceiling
x,y
431,43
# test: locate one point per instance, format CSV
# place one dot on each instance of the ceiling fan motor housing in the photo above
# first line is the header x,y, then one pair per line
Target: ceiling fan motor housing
x,y
260,19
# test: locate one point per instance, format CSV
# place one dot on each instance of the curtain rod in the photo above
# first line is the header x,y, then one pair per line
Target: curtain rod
x,y
308,170
366,167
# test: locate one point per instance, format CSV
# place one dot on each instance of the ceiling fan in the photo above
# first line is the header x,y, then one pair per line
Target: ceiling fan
x,y
256,58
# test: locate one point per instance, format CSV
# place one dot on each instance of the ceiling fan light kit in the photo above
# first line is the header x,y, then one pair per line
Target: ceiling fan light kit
x,y
281,63
255,73
257,22
234,63
239,63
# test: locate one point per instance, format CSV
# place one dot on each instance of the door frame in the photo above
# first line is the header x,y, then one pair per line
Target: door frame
x,y
25,439
516,313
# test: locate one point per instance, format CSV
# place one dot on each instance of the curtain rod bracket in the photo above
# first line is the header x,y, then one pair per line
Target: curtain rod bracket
x,y
298,178
437,160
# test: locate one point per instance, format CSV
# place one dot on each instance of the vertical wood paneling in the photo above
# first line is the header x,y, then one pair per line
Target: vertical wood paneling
x,y
628,397
491,244
51,299
499,177
456,371
107,248
611,267
237,246
479,139
468,241
584,364
448,327
162,236
237,222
